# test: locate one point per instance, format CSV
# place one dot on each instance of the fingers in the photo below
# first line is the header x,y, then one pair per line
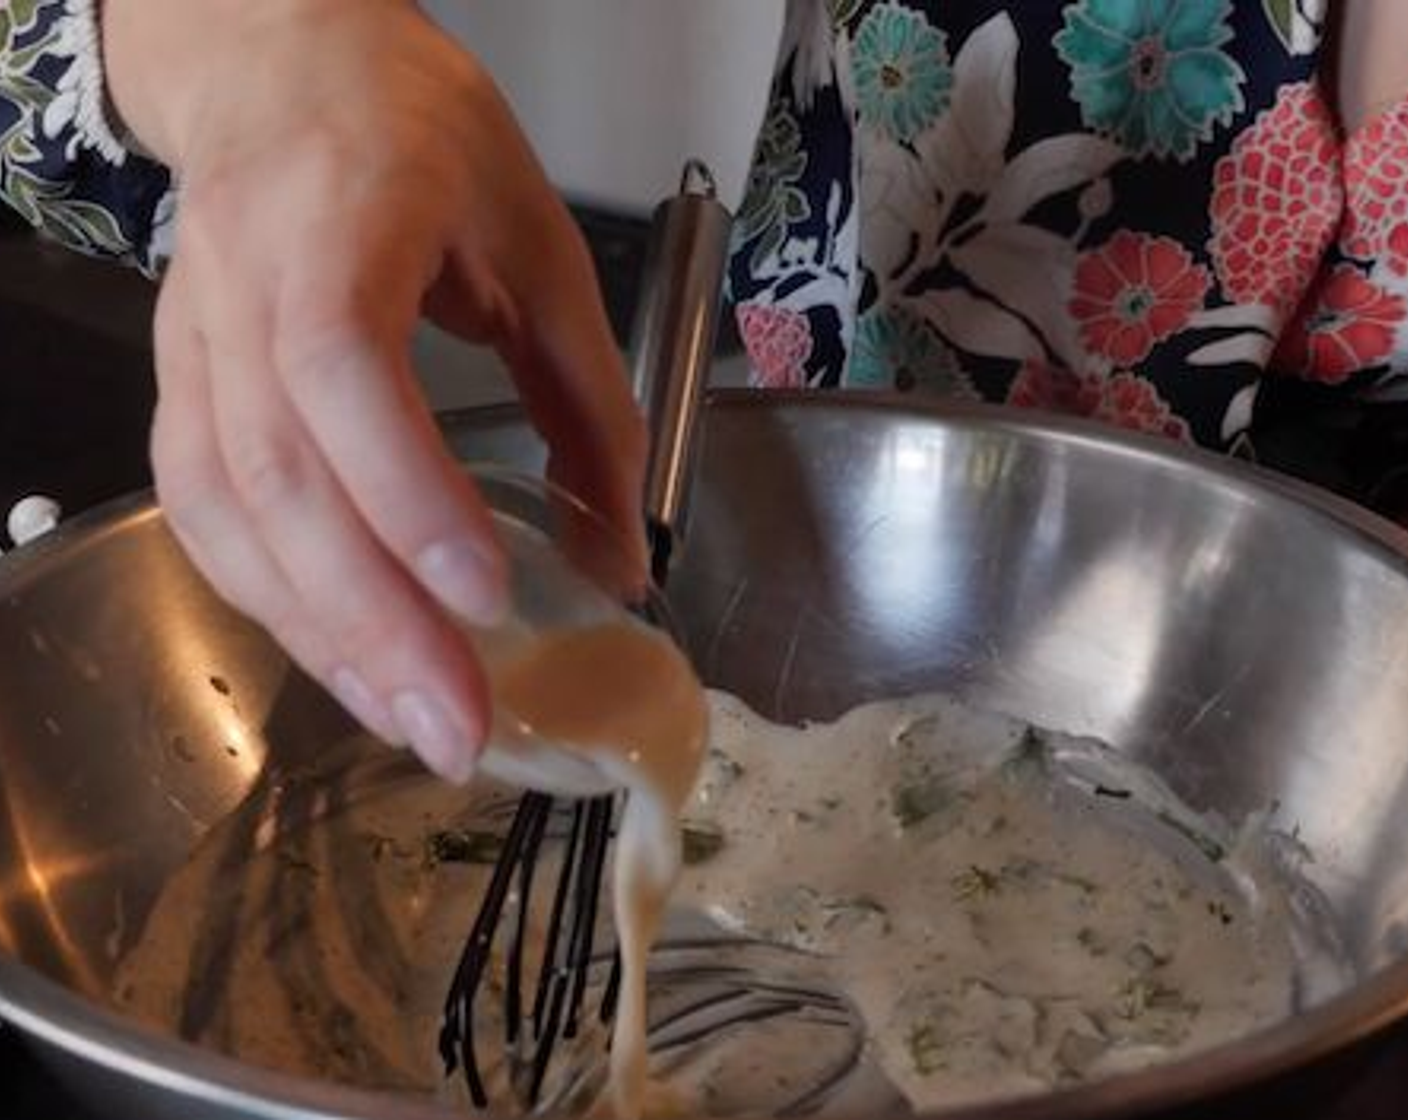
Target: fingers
x,y
300,466
324,584
570,375
342,349
200,506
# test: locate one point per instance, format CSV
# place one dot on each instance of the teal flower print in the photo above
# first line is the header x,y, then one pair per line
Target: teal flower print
x,y
1152,75
896,349
901,70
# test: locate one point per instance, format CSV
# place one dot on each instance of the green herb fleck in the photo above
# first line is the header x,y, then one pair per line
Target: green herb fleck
x,y
1144,994
975,883
1220,910
916,802
1030,757
461,846
926,1050
700,843
1143,959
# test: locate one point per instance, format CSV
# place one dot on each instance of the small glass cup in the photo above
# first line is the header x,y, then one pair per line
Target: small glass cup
x,y
568,569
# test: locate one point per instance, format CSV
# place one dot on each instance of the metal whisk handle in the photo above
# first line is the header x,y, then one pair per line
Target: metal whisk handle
x,y
673,339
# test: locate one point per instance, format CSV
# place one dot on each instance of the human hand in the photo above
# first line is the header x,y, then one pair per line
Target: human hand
x,y
344,167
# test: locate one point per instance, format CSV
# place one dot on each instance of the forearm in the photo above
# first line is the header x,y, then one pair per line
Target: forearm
x,y
1371,58
60,166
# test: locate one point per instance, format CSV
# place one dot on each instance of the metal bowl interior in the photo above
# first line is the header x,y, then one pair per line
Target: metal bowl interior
x,y
1245,637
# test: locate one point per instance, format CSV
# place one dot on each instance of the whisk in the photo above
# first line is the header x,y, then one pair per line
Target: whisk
x,y
673,342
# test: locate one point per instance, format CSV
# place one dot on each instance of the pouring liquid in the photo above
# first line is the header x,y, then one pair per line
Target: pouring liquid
x,y
626,699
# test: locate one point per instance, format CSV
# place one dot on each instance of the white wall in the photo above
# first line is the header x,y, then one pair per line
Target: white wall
x,y
616,94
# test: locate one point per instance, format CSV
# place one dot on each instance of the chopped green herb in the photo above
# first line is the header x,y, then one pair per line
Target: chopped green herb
x,y
700,843
1219,910
1031,756
1143,994
926,1050
1143,959
975,883
906,736
728,766
462,846
916,802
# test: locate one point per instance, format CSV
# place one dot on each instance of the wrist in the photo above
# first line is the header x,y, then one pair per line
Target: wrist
x,y
138,61
183,73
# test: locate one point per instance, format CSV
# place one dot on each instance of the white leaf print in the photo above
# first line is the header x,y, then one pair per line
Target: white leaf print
x,y
1251,346
1384,271
1241,316
833,206
979,326
806,39
898,205
1240,411
1049,167
1029,271
820,290
965,149
1297,23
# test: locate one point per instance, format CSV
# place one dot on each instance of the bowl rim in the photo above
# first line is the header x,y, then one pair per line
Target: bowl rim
x,y
82,1028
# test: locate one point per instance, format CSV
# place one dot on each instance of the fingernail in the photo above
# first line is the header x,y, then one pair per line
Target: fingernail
x,y
467,578
353,693
434,735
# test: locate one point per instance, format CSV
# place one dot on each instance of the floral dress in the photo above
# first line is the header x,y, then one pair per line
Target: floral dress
x,y
61,166
1143,212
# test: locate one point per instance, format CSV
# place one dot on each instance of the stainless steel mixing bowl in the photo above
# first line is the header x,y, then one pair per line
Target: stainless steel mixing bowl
x,y
1245,637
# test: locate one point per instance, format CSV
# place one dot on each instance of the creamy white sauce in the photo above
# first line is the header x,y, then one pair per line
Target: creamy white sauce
x,y
1000,926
